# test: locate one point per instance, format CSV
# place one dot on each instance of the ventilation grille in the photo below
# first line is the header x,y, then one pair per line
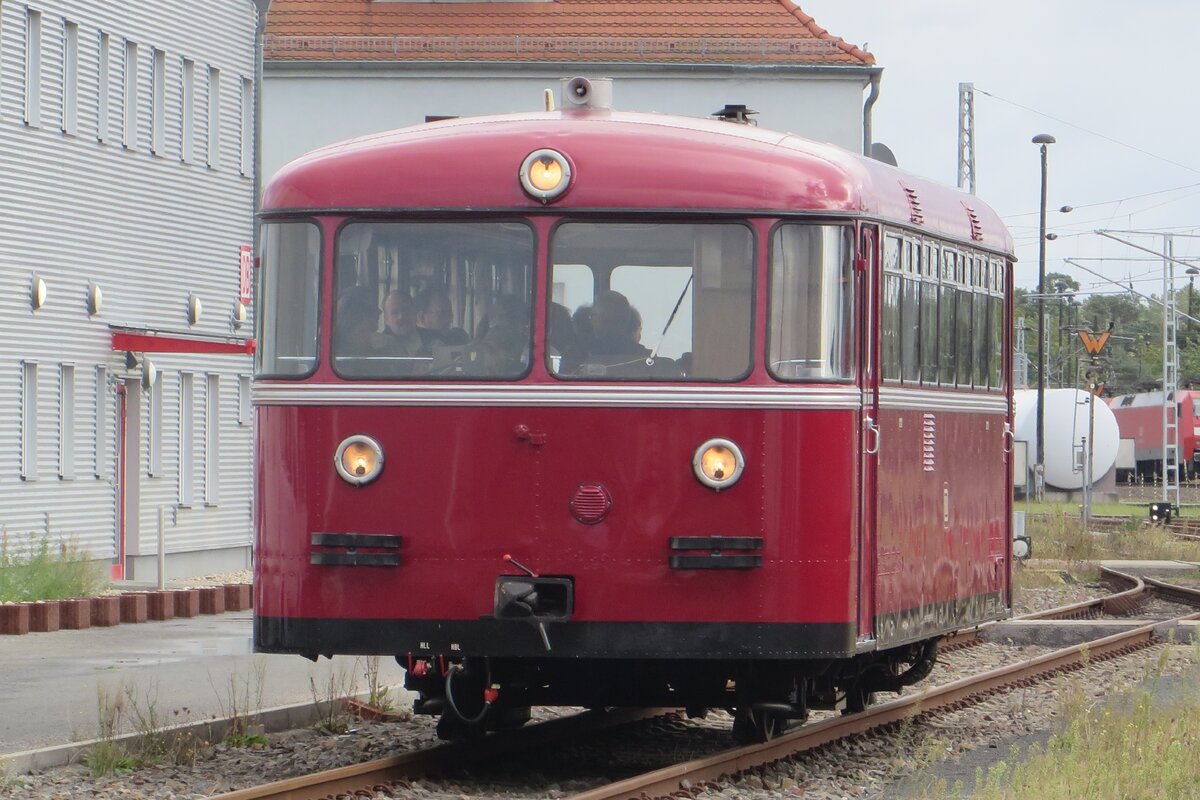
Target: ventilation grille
x,y
590,503
929,442
915,214
976,225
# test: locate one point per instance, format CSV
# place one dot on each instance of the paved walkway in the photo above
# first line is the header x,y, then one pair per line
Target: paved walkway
x,y
50,683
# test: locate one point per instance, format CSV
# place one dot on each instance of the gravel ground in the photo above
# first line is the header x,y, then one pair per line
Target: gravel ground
x,y
866,767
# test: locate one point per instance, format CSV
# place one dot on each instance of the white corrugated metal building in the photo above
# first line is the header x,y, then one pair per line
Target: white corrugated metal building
x,y
126,197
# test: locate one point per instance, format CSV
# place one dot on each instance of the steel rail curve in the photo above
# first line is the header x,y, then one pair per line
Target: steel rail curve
x,y
355,778
962,692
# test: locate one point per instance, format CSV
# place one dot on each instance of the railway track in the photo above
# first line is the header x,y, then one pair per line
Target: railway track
x,y
379,778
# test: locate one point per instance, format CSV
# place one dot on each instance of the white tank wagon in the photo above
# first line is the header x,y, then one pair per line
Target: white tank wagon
x,y
1066,426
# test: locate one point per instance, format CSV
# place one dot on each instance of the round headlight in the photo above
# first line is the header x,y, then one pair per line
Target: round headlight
x,y
359,460
545,174
718,463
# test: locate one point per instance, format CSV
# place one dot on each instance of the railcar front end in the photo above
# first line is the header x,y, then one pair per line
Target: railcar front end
x,y
596,416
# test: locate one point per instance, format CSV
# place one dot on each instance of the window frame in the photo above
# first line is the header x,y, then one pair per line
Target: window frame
x,y
260,297
654,218
535,243
855,315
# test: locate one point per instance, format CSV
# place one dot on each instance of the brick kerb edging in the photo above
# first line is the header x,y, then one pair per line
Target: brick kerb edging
x,y
44,616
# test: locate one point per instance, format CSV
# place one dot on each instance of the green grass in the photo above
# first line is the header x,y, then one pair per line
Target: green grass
x,y
1125,749
1063,538
50,570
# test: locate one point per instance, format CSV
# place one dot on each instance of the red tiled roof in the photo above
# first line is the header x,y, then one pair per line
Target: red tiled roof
x,y
598,31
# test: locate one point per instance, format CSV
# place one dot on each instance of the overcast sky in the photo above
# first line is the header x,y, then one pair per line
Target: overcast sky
x,y
1107,79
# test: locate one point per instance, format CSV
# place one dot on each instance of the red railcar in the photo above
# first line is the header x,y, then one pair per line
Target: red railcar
x,y
593,408
1140,417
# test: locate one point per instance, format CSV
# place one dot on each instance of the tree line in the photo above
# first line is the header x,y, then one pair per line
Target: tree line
x,y
1132,358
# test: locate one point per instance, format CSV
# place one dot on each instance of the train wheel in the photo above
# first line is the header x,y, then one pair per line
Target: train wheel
x,y
451,728
752,726
857,698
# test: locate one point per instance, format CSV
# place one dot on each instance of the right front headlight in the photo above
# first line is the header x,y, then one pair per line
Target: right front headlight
x,y
718,463
359,460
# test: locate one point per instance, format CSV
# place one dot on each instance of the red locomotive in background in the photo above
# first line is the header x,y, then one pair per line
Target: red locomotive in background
x,y
593,408
1140,418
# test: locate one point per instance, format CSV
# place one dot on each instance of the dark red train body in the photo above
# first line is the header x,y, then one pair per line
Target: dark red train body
x,y
538,528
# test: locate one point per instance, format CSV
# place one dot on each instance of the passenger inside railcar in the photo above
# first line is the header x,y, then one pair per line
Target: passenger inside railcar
x,y
503,335
616,331
400,334
355,326
435,319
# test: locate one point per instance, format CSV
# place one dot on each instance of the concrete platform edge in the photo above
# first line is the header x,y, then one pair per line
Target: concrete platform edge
x,y
272,720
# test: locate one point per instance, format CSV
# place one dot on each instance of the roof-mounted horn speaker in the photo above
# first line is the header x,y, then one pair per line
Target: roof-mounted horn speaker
x,y
583,92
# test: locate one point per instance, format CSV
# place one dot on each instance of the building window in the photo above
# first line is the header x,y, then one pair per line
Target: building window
x,y
33,68
70,108
29,420
212,441
245,412
66,422
158,102
155,434
187,441
131,61
102,86
187,145
247,129
214,117
101,455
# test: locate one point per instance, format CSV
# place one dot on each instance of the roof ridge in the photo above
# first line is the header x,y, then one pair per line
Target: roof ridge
x,y
816,30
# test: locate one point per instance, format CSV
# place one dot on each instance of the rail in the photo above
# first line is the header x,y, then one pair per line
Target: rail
x,y
659,783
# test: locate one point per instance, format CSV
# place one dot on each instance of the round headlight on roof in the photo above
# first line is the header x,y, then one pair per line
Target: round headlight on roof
x,y
359,460
545,174
718,463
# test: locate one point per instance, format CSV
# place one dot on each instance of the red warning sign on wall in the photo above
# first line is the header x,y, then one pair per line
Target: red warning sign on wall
x,y
247,269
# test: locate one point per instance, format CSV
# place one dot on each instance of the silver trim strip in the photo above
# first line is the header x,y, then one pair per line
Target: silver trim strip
x,y
929,400
554,395
626,396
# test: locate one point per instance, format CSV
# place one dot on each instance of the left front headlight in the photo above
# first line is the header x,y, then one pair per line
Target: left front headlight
x,y
359,459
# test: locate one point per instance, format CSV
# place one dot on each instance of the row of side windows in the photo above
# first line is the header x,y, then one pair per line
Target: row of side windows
x,y
942,314
104,426
117,64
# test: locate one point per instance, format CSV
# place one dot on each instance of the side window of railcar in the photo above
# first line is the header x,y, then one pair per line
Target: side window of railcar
x,y
910,329
982,333
996,317
433,300
650,301
290,257
811,327
889,323
946,326
929,317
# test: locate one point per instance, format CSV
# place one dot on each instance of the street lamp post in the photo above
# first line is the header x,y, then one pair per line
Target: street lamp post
x,y
1042,139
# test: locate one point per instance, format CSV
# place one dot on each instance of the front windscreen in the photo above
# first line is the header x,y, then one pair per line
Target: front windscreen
x,y
650,301
290,254
433,300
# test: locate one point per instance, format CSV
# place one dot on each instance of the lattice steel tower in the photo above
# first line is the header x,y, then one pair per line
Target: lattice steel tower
x,y
966,137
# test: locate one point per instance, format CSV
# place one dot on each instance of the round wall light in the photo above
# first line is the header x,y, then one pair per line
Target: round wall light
x,y
37,293
194,309
95,299
239,314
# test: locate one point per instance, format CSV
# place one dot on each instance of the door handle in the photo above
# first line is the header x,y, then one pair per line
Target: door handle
x,y
872,430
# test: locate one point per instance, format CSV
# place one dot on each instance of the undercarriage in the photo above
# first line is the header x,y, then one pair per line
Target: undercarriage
x,y
473,696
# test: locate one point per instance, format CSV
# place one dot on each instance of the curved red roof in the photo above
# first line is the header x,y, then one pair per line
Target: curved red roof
x,y
474,162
